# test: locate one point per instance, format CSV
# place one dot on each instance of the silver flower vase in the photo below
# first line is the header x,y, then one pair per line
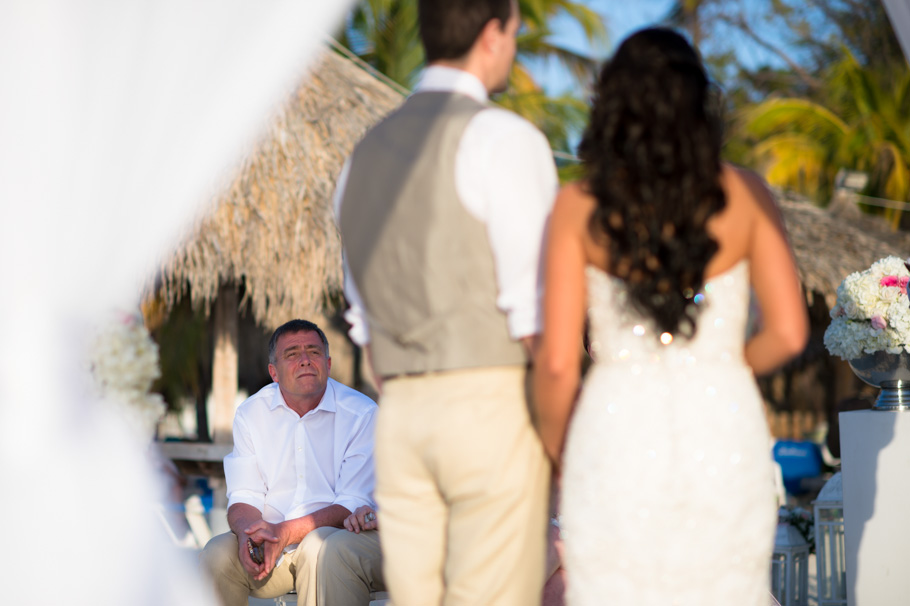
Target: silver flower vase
x,y
890,373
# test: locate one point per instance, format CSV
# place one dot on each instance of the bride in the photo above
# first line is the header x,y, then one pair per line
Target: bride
x,y
667,494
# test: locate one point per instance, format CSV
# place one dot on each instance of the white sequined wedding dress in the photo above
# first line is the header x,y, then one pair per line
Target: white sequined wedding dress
x,y
667,490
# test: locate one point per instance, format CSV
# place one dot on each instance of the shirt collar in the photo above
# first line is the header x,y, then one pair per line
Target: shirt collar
x,y
327,403
440,78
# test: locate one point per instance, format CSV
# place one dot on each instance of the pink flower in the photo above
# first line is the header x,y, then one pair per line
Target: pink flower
x,y
878,323
894,281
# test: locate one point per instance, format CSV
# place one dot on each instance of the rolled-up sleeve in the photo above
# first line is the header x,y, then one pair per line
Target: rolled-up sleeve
x,y
245,483
522,197
506,178
356,477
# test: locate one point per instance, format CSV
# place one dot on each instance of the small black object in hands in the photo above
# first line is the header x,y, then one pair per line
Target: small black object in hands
x,y
255,550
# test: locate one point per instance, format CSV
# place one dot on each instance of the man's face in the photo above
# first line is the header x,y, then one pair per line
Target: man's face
x,y
507,50
301,366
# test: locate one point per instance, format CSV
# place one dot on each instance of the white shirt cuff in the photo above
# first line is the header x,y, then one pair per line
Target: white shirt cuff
x,y
359,331
351,503
247,498
523,323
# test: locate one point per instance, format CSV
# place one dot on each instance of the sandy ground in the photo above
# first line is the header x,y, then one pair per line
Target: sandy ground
x,y
813,589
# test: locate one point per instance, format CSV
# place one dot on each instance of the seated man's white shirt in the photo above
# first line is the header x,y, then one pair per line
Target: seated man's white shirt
x,y
288,466
505,178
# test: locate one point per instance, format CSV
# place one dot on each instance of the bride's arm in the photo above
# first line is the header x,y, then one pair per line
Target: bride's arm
x,y
784,322
557,364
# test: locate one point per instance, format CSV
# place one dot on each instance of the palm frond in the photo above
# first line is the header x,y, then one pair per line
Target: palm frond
x,y
793,161
897,183
591,22
797,115
581,67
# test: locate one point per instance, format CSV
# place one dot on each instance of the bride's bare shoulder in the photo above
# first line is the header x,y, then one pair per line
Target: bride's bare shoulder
x,y
574,200
745,188
574,190
571,222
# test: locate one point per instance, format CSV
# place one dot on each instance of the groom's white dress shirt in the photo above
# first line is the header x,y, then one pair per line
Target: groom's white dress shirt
x,y
505,178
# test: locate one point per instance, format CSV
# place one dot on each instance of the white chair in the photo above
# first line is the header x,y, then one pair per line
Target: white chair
x,y
377,598
196,533
195,517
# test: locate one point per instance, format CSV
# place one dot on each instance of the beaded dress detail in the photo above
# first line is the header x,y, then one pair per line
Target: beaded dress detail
x,y
667,489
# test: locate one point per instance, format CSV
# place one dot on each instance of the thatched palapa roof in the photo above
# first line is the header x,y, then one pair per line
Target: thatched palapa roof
x,y
273,229
829,244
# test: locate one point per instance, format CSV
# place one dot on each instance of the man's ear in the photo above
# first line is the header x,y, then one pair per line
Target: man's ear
x,y
273,372
491,34
328,363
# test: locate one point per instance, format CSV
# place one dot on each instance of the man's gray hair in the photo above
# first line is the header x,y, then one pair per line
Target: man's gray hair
x,y
293,327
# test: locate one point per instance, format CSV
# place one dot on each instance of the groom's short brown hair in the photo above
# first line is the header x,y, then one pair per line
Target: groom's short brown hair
x,y
449,28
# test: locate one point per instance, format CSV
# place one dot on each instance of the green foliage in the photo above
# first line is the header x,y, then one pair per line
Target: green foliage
x,y
184,349
559,116
834,96
384,34
802,520
802,36
569,170
861,123
534,40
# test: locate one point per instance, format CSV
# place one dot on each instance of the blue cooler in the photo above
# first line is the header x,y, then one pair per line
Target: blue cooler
x,y
798,459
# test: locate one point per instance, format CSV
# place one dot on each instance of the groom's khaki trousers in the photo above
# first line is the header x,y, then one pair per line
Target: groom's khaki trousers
x,y
462,485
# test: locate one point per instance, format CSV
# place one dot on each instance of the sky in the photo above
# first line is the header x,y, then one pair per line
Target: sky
x,y
621,18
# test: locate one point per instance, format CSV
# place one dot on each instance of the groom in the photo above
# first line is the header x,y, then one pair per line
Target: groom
x,y
442,208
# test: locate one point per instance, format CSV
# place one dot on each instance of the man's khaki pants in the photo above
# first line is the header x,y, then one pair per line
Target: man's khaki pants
x,y
331,566
462,484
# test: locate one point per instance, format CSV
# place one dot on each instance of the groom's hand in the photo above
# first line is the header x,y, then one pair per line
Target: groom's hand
x,y
530,345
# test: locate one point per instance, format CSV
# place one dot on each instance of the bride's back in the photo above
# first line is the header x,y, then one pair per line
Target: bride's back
x,y
749,235
747,204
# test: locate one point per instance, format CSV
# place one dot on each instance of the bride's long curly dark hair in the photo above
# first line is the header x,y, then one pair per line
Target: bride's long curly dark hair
x,y
652,158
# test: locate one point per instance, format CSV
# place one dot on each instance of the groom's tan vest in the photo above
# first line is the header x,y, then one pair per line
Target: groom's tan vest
x,y
422,263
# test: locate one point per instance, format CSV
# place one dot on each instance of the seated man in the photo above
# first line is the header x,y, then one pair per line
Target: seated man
x,y
302,462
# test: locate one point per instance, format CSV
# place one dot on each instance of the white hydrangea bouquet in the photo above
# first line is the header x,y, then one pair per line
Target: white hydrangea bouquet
x,y
872,312
124,363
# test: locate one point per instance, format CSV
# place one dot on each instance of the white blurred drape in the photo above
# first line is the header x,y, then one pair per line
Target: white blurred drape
x,y
899,14
118,118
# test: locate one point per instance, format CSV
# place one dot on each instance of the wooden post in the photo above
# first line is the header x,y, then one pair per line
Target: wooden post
x,y
224,365
224,393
